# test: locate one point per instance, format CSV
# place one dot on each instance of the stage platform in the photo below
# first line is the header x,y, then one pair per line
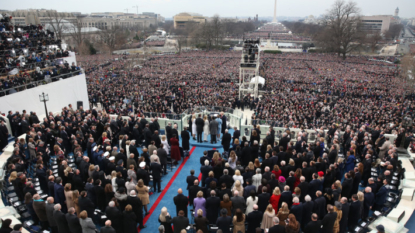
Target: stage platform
x,y
207,144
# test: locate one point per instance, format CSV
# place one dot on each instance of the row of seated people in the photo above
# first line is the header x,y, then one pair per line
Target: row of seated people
x,y
24,80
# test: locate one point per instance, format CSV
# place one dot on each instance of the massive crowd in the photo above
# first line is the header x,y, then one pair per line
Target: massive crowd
x,y
301,90
277,186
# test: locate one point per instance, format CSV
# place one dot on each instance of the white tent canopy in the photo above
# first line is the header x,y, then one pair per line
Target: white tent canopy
x,y
261,80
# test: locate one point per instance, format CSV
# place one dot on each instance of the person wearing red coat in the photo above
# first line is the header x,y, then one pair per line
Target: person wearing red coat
x,y
275,199
175,150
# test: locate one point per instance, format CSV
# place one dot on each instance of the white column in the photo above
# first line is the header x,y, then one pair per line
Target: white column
x,y
275,12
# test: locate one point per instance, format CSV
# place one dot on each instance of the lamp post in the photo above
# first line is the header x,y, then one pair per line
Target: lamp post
x,y
43,98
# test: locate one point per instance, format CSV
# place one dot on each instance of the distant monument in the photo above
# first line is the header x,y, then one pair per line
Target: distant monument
x,y
274,20
396,11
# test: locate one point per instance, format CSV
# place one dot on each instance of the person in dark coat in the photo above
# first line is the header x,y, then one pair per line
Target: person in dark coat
x,y
297,209
286,196
129,220
137,208
223,128
224,222
226,140
355,206
313,226
345,214
49,213
156,138
185,139
86,204
201,223
277,228
115,215
181,202
328,220
73,221
190,179
368,202
212,207
60,194
43,179
107,228
254,219
303,186
156,169
380,197
60,219
308,207
39,207
263,199
193,190
162,154
320,205
180,222
199,127
347,186
314,186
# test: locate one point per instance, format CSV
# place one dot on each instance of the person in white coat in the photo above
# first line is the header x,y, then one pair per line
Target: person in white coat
x,y
257,178
205,129
166,146
250,202
194,132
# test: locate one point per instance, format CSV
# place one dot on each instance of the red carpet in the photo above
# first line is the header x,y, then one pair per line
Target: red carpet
x,y
154,206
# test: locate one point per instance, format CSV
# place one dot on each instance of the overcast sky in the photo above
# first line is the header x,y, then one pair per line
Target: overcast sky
x,y
225,8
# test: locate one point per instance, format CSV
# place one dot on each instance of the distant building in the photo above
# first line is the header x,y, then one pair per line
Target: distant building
x,y
107,20
397,12
180,20
38,16
379,23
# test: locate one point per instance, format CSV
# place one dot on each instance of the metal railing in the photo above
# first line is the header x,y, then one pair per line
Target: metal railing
x,y
33,84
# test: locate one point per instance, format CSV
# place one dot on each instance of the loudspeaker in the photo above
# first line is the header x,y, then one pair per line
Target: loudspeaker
x,y
79,104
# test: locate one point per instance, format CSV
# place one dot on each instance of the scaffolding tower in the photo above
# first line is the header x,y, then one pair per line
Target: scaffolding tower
x,y
249,68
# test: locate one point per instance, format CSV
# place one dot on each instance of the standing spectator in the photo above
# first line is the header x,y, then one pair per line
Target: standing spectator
x,y
238,221
73,221
199,203
180,222
69,195
338,210
86,223
39,206
201,222
250,202
5,226
268,218
254,219
165,220
107,228
212,207
130,220
157,170
224,221
50,208
292,225
328,220
60,219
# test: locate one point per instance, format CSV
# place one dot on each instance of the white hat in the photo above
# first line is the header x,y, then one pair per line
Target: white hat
x,y
112,158
142,164
95,148
106,154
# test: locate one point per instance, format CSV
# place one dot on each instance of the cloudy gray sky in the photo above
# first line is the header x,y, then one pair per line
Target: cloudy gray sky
x,y
228,8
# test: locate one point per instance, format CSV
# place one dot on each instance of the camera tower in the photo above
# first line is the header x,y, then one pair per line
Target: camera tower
x,y
249,68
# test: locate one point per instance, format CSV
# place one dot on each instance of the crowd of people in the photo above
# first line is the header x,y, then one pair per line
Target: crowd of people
x,y
29,53
280,185
301,90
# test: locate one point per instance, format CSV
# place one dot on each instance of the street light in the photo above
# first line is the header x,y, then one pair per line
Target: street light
x,y
43,98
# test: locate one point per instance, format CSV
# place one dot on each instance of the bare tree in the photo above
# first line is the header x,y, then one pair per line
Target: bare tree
x,y
76,33
342,27
406,78
217,30
373,40
57,22
112,38
394,31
